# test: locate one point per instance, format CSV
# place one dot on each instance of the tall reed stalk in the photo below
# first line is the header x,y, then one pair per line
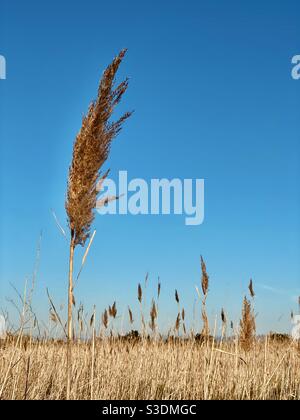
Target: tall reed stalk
x,y
90,151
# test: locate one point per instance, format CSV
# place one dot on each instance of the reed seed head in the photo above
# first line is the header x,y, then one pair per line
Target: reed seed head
x,y
223,316
204,278
91,150
247,326
158,288
140,293
153,316
176,296
105,319
130,316
251,290
177,323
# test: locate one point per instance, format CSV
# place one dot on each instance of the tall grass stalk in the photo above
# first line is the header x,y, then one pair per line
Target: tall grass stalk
x,y
90,151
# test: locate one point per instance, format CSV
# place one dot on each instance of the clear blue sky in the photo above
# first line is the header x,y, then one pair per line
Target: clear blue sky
x,y
210,82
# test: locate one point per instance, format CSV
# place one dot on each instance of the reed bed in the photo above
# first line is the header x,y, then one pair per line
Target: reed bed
x,y
144,369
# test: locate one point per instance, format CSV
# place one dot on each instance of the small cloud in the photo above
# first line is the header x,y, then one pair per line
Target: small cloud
x,y
272,289
288,293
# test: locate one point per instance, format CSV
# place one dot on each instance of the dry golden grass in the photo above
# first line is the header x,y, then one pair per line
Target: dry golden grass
x,y
151,370
145,365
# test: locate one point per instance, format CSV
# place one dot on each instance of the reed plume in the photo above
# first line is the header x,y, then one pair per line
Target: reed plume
x,y
247,326
153,316
131,320
90,151
224,322
176,297
112,310
158,288
140,298
177,323
105,319
251,290
204,286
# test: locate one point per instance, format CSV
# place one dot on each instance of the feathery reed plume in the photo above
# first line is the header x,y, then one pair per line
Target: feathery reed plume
x,y
176,296
247,326
105,319
131,320
251,290
140,293
224,322
140,297
205,286
158,288
205,278
92,319
223,316
153,316
183,320
90,151
112,310
177,323
183,314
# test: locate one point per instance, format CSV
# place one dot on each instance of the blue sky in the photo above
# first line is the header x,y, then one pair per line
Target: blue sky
x,y
211,86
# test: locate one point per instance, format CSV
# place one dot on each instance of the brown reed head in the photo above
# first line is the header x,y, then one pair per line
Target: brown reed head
x,y
177,323
153,316
91,150
112,310
183,314
158,288
105,319
247,326
223,316
251,290
140,293
176,296
130,316
204,278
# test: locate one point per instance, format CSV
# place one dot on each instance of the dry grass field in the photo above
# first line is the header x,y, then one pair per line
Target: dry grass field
x,y
100,363
144,369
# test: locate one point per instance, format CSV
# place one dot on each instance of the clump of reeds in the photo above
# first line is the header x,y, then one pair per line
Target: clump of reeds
x,y
90,151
